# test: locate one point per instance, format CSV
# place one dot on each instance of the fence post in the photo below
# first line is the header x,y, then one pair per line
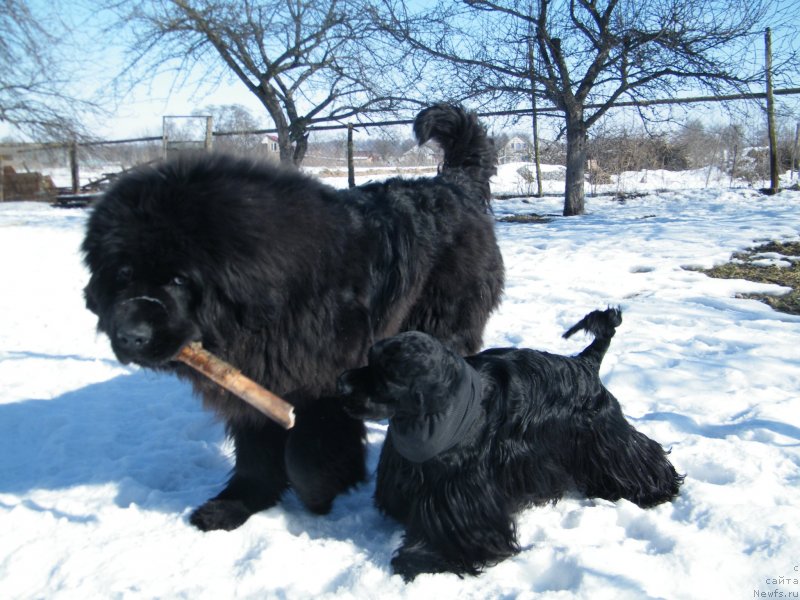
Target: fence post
x,y
534,119
164,139
795,153
733,164
73,167
209,133
773,138
351,170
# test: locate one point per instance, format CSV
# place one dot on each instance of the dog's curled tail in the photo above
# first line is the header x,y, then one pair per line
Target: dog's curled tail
x,y
603,325
465,143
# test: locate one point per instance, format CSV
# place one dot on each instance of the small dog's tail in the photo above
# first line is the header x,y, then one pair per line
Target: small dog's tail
x,y
466,145
603,325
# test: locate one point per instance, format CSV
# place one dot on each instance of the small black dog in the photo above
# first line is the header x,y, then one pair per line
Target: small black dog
x,y
472,441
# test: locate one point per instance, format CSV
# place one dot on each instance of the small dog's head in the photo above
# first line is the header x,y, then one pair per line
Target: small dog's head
x,y
408,375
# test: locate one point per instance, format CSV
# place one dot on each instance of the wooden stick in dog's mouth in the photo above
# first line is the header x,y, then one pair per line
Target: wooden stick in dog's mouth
x,y
232,379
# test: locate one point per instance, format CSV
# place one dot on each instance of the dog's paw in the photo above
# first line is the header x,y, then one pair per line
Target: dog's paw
x,y
409,562
220,514
408,566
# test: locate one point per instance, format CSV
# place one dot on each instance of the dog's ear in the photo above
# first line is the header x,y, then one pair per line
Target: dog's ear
x,y
89,296
410,403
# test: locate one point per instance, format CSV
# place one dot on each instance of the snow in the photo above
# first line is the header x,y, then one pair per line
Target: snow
x,y
101,464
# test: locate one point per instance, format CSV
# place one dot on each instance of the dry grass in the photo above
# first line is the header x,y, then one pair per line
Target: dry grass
x,y
743,266
525,218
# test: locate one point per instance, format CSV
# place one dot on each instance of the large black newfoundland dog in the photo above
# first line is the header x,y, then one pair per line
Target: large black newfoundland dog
x,y
292,281
471,441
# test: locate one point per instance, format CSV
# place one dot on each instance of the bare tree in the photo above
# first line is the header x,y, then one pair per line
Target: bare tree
x,y
34,81
589,54
305,60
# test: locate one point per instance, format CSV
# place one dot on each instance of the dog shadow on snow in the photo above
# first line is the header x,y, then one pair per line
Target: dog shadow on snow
x,y
148,435
143,431
762,430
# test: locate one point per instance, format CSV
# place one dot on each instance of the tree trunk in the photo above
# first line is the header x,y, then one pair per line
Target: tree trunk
x,y
285,146
576,166
292,147
300,149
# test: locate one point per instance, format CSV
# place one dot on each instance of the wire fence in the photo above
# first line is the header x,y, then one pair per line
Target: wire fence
x,y
85,163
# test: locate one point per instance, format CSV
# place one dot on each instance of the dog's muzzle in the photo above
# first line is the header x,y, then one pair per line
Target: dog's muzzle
x,y
137,321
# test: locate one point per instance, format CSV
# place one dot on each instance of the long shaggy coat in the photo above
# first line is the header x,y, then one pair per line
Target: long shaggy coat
x,y
292,281
473,440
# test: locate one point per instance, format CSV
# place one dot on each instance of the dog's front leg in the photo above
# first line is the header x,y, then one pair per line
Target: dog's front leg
x,y
417,556
257,482
460,526
325,455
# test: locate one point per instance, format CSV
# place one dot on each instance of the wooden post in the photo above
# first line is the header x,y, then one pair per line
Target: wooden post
x,y
796,153
73,167
713,159
164,140
773,137
209,133
351,170
733,164
535,119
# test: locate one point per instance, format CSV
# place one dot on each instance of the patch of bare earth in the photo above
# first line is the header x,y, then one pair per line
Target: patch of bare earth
x,y
772,262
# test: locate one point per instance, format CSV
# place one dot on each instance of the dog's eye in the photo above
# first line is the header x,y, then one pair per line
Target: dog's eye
x,y
179,281
124,274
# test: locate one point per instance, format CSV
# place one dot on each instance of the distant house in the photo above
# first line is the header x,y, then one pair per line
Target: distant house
x,y
515,149
270,145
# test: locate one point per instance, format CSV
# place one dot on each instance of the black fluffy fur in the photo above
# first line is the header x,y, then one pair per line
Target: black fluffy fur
x,y
292,281
545,424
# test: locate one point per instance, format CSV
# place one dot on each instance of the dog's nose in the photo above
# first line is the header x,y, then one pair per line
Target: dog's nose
x,y
134,337
343,387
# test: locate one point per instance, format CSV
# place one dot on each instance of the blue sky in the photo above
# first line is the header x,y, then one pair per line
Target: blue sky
x,y
140,113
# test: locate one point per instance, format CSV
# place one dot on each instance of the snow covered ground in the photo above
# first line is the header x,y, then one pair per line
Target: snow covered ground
x,y
101,464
